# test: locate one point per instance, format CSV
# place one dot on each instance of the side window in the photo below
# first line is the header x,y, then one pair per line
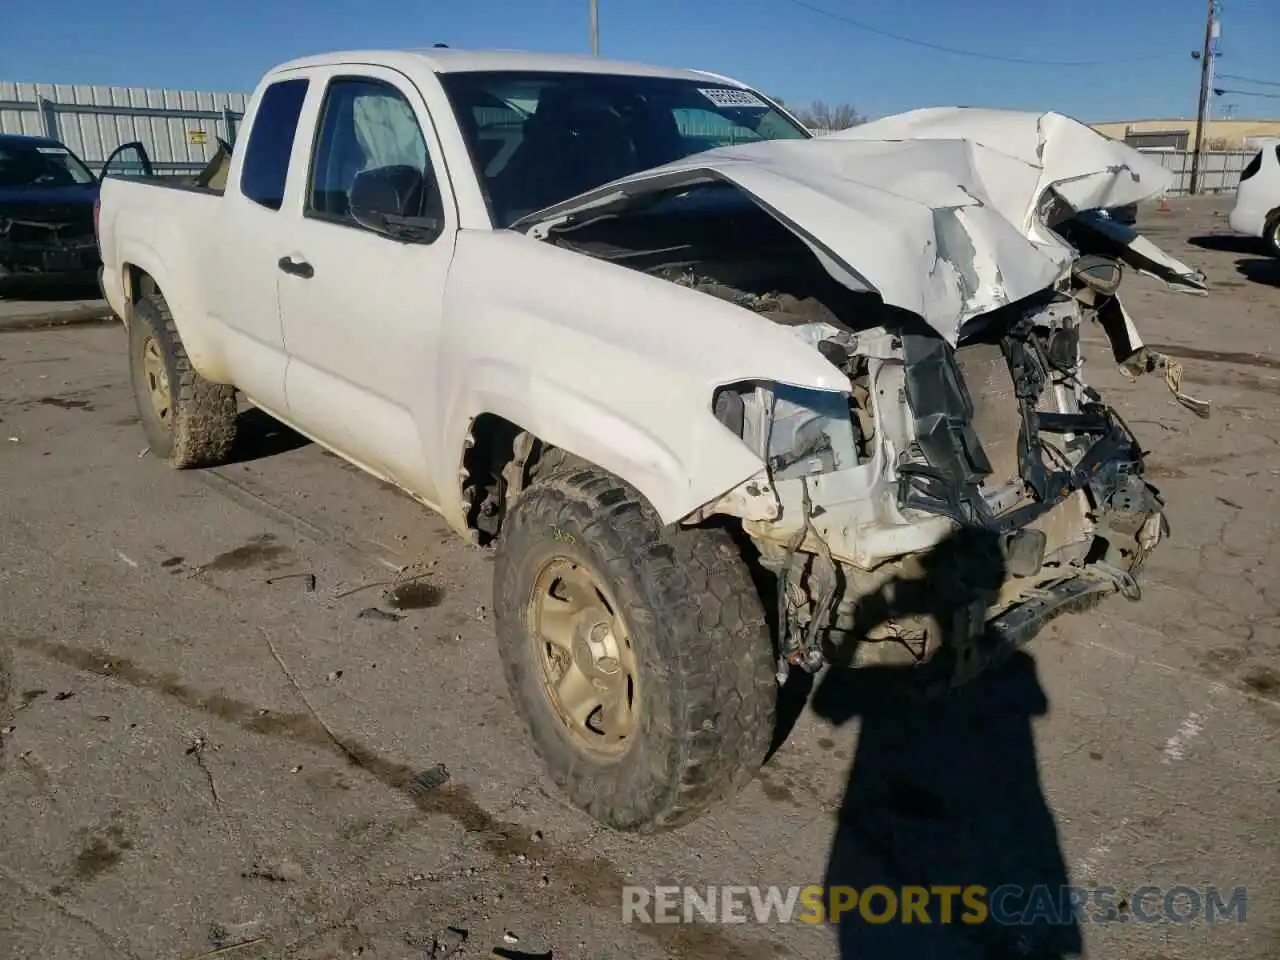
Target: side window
x,y
266,158
368,126
1253,166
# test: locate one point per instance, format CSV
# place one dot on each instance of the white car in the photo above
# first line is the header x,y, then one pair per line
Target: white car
x,y
1257,209
722,413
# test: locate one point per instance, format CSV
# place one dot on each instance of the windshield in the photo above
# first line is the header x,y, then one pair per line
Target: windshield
x,y
40,165
539,138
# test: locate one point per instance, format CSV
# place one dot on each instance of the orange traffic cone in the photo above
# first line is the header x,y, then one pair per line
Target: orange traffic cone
x,y
1164,205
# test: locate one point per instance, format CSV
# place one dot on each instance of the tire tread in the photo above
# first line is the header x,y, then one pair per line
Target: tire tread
x,y
204,413
711,626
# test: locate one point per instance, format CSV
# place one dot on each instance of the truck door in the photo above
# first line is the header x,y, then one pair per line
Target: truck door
x,y
127,160
362,310
254,235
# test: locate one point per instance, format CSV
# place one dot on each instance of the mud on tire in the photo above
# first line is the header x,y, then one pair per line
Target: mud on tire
x,y
189,422
705,691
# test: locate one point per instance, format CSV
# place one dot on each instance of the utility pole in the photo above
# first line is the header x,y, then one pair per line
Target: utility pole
x,y
595,28
1206,72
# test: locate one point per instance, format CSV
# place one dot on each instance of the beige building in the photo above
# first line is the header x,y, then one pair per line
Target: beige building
x,y
1233,134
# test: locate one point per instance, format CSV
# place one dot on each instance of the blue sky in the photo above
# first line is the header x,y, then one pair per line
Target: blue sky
x,y
785,49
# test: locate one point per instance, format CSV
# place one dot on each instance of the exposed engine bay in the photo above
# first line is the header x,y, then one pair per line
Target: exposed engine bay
x,y
965,489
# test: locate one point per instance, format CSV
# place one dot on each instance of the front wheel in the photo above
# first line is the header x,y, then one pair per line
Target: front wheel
x,y
637,654
1272,236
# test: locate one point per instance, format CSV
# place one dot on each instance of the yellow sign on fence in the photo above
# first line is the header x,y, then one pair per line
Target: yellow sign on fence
x,y
196,136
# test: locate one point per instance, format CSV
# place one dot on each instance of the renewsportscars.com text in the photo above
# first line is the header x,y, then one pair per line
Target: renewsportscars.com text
x,y
972,904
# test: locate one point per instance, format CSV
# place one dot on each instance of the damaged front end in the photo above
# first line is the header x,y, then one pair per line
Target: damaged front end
x,y
969,485
56,239
955,497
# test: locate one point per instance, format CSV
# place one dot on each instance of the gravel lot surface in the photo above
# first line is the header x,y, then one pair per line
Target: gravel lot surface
x,y
178,652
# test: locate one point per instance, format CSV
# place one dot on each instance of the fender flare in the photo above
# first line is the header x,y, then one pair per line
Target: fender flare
x,y
198,340
1271,219
676,481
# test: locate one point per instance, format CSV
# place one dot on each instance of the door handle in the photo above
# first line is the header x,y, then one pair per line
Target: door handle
x,y
297,268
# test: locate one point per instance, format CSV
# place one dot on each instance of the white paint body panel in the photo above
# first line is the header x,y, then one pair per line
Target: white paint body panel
x,y
1088,169
611,364
1259,196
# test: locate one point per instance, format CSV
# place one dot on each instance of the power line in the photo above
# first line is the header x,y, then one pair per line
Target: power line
x,y
1264,83
1247,93
975,54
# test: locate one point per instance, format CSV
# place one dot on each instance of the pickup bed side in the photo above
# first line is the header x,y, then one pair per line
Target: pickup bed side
x,y
162,230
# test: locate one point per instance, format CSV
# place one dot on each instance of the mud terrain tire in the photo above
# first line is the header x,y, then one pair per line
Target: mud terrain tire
x,y
197,425
704,694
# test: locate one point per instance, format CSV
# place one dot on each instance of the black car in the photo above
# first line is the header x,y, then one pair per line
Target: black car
x,y
47,196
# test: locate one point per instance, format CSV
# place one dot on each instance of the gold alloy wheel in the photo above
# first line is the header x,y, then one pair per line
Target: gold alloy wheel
x,y
589,670
157,375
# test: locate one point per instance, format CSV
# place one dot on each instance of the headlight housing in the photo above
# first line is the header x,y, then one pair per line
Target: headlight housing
x,y
796,431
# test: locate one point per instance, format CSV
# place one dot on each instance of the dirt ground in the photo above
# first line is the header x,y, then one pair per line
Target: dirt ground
x,y
177,648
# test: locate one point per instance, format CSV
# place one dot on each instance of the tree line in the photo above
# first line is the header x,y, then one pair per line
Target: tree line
x,y
820,115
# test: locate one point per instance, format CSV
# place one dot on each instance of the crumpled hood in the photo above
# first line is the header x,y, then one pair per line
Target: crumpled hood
x,y
934,210
1088,170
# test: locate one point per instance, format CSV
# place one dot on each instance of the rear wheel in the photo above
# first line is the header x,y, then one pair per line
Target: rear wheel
x,y
1272,236
637,653
189,421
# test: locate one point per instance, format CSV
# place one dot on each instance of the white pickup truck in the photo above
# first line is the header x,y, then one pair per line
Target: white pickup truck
x,y
728,400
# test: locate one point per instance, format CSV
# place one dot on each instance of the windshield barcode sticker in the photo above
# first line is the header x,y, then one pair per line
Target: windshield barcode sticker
x,y
728,97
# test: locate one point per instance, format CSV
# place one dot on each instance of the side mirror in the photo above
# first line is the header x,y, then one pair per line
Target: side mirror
x,y
1100,274
386,199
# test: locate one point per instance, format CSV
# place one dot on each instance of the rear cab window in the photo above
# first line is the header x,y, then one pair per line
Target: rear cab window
x,y
271,139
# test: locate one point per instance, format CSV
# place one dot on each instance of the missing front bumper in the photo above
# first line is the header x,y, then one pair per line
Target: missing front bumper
x,y
966,657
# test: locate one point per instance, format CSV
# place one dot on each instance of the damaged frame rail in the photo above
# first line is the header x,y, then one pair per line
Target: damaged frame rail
x,y
942,473
948,483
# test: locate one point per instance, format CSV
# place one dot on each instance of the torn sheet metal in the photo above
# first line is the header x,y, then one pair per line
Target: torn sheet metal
x,y
934,210
1136,358
1087,169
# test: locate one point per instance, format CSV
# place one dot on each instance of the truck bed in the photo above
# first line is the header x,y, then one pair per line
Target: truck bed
x,y
185,183
142,218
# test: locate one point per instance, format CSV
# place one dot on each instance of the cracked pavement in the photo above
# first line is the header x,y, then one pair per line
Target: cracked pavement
x,y
206,748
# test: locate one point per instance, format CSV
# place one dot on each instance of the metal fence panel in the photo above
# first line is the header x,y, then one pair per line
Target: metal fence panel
x,y
1219,169
179,128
